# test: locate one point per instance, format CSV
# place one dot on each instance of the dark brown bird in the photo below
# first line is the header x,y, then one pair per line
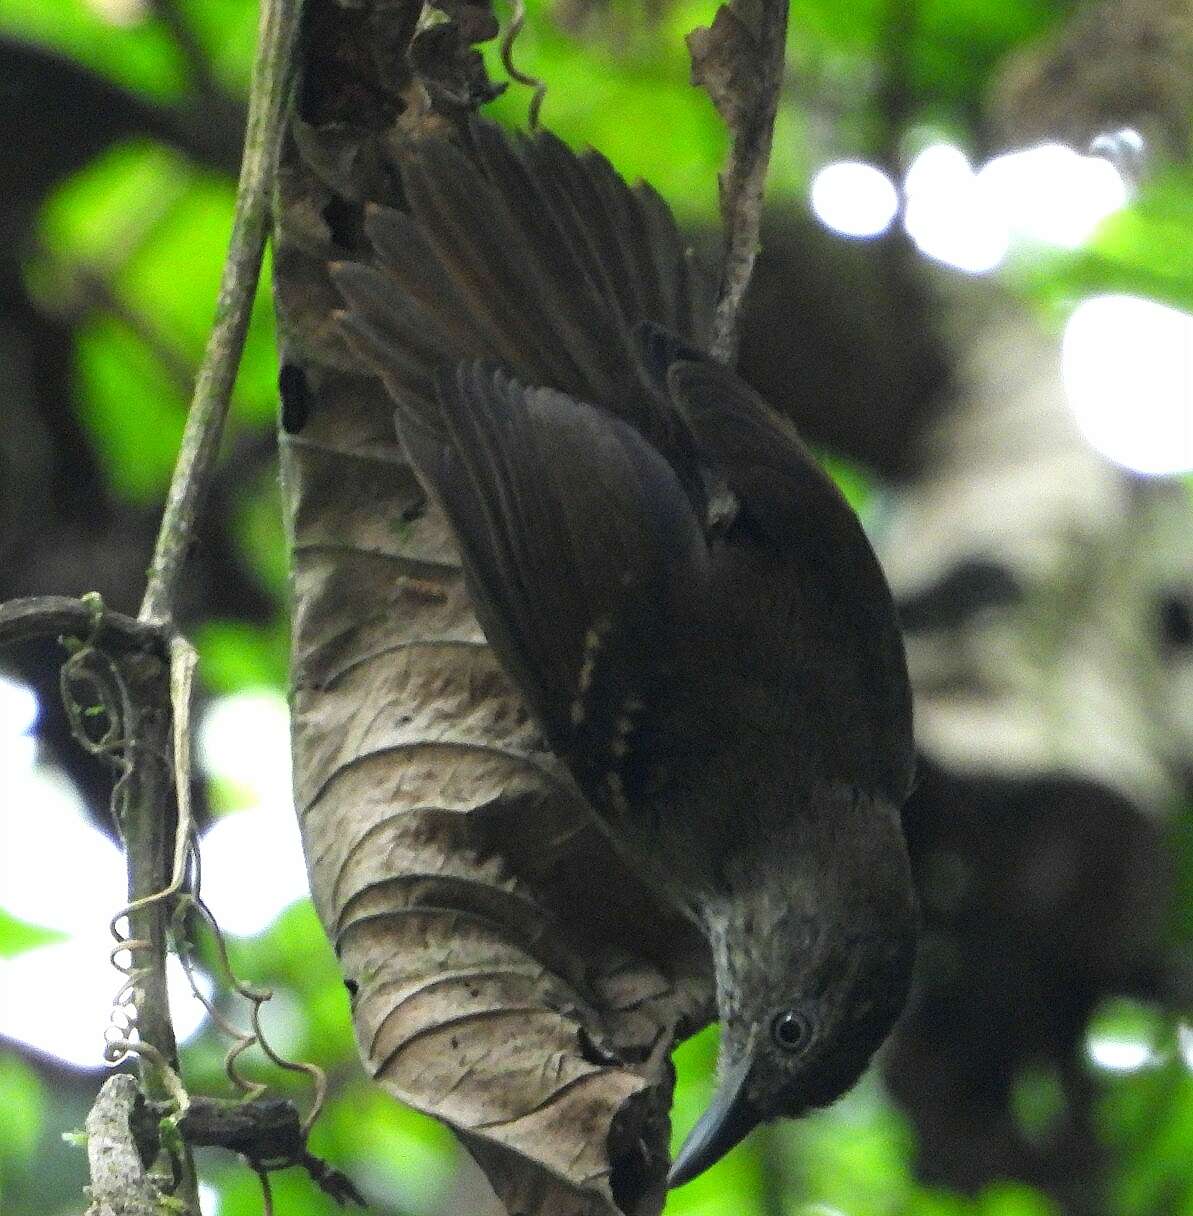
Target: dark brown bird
x,y
689,606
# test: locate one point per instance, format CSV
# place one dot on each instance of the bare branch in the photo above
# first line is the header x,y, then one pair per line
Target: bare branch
x,y
217,372
49,616
268,1132
119,1184
144,698
739,61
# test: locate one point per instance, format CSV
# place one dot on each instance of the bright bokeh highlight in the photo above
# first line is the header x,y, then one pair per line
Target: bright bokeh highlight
x,y
253,866
949,216
1128,373
854,198
60,872
18,709
244,739
971,218
1118,1055
121,12
1052,194
57,998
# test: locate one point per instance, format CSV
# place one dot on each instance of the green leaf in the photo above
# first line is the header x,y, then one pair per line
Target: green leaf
x,y
22,1100
235,655
227,30
1146,1118
259,532
1014,1199
123,192
293,1190
388,1149
851,480
1038,1102
173,275
18,936
957,45
650,122
132,409
142,57
1144,250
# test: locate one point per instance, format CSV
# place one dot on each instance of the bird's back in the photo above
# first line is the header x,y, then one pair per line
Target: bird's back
x,y
680,591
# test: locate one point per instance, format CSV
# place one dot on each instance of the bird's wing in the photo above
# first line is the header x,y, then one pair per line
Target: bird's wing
x,y
799,563
522,251
581,547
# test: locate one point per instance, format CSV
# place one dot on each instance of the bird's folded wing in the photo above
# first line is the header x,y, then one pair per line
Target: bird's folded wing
x,y
844,654
518,249
582,550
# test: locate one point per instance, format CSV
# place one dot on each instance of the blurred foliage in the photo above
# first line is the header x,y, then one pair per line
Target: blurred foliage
x,y
153,227
1146,250
23,1100
16,936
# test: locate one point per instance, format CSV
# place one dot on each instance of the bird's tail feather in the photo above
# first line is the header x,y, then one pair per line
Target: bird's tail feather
x,y
521,251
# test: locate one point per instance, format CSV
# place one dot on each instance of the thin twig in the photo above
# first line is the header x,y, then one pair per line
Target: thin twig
x,y
744,73
150,727
217,372
242,1039
119,1184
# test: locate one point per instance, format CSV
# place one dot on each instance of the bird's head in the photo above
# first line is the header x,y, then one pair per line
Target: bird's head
x,y
813,966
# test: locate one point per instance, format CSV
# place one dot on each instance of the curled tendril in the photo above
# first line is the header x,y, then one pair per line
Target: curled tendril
x,y
508,38
93,690
257,997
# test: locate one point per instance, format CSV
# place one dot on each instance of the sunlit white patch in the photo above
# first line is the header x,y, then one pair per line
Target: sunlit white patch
x,y
253,867
1118,1054
18,748
187,1011
1052,194
43,818
252,859
120,12
1125,149
209,1199
1128,375
245,739
58,998
854,198
18,707
1184,1043
949,216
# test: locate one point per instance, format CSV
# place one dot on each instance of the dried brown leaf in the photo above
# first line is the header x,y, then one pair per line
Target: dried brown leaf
x,y
725,62
510,975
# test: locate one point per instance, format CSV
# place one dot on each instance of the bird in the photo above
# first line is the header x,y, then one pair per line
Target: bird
x,y
686,601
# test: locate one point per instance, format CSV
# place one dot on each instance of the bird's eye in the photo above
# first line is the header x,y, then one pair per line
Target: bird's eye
x,y
790,1030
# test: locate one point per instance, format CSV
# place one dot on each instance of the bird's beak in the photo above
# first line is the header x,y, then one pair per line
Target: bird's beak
x,y
728,1120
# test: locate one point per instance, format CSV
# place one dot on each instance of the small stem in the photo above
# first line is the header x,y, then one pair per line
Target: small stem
x,y
51,616
744,179
118,1180
238,285
152,804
